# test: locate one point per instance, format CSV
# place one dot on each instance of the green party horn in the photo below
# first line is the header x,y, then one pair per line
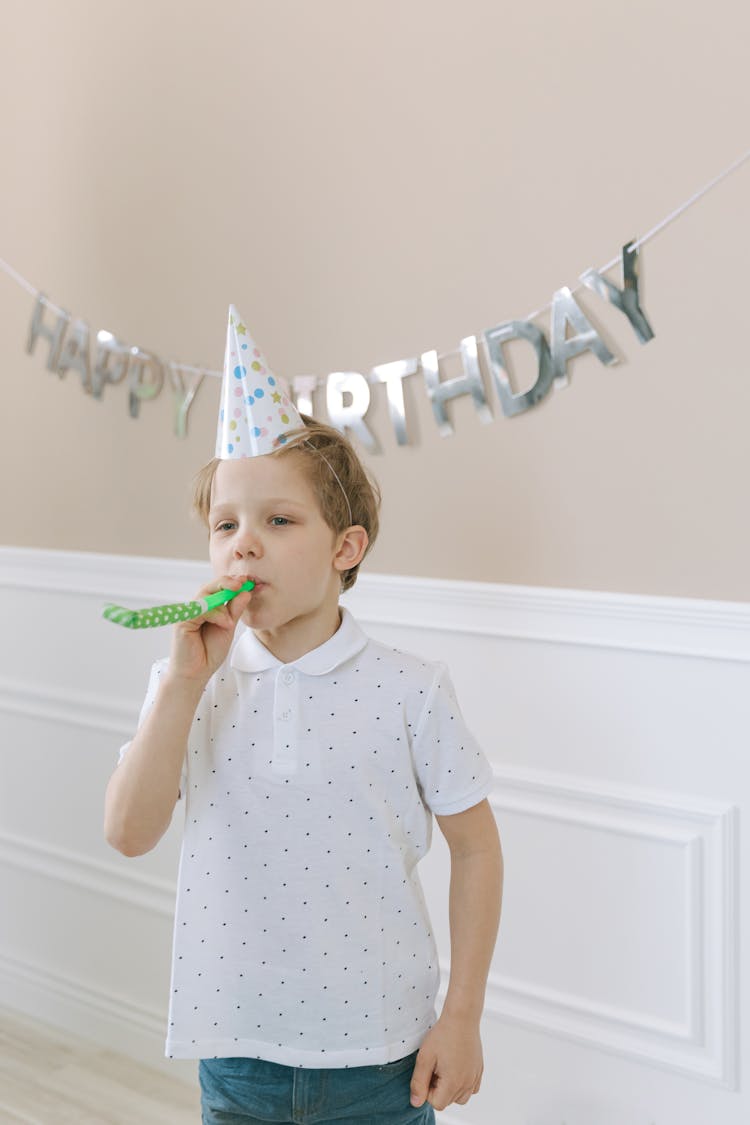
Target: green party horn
x,y
170,614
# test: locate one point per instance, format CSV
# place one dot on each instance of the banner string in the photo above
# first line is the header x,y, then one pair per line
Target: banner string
x,y
22,281
659,226
670,218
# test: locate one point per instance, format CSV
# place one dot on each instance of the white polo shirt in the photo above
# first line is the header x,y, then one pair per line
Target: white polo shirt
x,y
301,931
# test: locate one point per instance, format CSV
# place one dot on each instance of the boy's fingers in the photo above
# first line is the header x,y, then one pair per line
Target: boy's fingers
x,y
232,581
238,605
421,1078
227,582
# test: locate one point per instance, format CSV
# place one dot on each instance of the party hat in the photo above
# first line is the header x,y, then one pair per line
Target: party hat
x,y
256,411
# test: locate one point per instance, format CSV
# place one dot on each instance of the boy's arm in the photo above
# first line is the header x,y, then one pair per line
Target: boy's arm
x,y
143,790
449,1065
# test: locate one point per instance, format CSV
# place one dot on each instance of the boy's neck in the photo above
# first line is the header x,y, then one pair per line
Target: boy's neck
x,y
300,636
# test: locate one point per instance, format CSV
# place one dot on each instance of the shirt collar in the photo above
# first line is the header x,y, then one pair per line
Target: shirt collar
x,y
249,655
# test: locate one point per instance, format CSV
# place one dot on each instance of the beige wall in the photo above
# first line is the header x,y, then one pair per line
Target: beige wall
x,y
366,182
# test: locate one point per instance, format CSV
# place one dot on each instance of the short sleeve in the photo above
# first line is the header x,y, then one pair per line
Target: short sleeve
x,y
157,671
453,771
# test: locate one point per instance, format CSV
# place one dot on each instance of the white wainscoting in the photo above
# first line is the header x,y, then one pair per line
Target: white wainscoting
x,y
618,729
700,839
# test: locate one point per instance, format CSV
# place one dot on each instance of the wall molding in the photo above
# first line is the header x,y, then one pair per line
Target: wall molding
x,y
97,877
705,1045
145,1021
678,626
86,710
103,1016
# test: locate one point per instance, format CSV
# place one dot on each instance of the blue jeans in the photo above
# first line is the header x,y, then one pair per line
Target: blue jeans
x,y
254,1091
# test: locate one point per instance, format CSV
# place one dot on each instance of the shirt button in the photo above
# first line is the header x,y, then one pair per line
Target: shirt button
x,y
288,677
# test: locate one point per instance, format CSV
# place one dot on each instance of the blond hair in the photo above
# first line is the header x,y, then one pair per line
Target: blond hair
x,y
346,492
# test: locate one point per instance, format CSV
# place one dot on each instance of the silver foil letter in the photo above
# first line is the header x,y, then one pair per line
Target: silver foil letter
x,y
53,335
392,375
75,353
510,401
625,299
469,383
304,386
184,387
566,310
145,378
109,351
350,414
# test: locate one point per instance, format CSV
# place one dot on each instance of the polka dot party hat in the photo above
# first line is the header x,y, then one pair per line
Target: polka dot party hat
x,y
256,411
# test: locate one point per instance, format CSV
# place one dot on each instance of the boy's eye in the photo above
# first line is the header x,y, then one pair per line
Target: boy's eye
x,y
279,521
225,525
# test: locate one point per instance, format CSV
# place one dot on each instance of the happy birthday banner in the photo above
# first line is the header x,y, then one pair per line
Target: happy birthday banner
x,y
101,358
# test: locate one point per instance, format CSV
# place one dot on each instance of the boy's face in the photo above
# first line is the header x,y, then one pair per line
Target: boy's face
x,y
265,523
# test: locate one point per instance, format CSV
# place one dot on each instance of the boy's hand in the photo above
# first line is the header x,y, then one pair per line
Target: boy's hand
x,y
200,646
449,1064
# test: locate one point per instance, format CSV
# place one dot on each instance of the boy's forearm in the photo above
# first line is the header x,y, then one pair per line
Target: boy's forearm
x,y
143,790
476,890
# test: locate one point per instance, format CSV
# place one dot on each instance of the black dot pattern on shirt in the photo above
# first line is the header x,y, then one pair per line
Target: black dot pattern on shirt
x,y
298,876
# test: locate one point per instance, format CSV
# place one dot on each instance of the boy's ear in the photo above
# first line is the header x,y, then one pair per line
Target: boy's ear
x,y
352,545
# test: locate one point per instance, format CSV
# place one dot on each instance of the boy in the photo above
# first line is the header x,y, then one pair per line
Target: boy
x,y
310,759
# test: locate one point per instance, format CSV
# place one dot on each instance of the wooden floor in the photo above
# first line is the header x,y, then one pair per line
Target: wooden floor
x,y
49,1078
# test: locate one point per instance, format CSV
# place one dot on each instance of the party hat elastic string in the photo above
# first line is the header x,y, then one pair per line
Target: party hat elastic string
x,y
310,445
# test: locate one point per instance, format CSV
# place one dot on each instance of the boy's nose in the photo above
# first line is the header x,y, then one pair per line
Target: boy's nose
x,y
248,546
